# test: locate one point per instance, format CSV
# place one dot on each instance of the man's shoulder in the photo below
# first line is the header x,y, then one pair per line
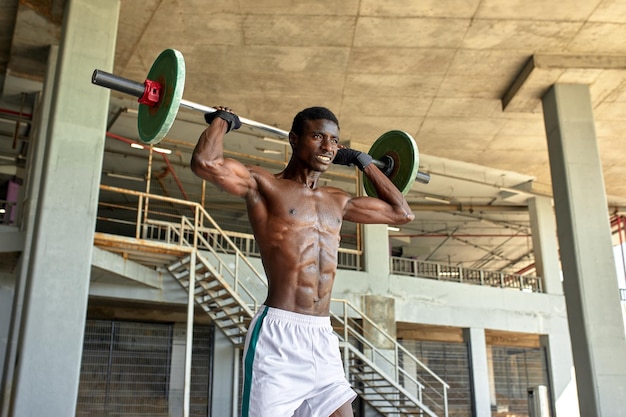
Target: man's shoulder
x,y
337,194
260,172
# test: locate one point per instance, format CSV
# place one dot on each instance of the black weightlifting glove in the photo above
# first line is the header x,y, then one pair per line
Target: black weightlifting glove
x,y
231,118
347,156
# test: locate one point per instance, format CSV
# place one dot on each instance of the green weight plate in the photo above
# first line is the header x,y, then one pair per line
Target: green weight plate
x,y
168,70
401,147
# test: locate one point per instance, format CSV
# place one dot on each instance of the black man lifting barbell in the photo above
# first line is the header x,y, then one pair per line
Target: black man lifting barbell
x,y
160,97
292,363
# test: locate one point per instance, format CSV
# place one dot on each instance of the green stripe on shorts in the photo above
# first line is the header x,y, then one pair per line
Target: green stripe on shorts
x,y
249,361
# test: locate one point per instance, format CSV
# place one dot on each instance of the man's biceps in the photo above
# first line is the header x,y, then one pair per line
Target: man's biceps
x,y
365,206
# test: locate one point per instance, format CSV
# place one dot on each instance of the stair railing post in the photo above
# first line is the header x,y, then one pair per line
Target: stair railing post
x,y
397,362
346,363
196,226
445,400
138,225
236,277
189,335
148,184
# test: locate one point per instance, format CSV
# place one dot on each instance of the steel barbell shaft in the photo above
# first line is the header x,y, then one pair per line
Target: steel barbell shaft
x,y
137,89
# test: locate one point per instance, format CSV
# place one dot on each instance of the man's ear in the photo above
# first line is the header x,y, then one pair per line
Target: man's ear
x,y
293,139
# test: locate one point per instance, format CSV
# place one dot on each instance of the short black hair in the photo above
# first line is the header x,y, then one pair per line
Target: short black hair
x,y
312,113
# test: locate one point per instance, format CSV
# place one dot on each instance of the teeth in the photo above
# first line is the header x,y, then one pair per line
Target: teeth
x,y
324,158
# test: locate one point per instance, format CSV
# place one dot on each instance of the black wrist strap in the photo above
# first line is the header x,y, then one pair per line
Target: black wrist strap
x,y
363,159
231,118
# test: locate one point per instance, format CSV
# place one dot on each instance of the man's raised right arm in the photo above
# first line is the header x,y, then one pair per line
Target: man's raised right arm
x,y
208,162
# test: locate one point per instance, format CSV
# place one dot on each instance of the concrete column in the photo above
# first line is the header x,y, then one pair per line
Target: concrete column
x,y
479,371
561,374
545,245
589,276
7,282
376,256
225,389
31,189
381,310
53,315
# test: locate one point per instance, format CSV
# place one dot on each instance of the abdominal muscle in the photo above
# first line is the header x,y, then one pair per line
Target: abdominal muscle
x,y
301,270
297,230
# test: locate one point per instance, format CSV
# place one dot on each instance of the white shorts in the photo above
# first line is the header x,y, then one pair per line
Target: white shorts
x,y
292,367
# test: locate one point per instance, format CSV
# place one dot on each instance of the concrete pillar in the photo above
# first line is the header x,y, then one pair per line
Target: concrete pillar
x,y
382,311
53,315
376,256
545,245
7,282
479,371
225,389
589,276
31,189
561,371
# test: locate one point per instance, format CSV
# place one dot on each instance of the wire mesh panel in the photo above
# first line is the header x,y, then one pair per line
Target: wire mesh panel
x,y
201,371
451,362
126,370
515,369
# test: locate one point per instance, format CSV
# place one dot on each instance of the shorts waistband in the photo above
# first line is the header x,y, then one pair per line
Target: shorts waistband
x,y
290,316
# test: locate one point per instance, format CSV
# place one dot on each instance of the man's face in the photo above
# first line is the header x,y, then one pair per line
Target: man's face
x,y
318,144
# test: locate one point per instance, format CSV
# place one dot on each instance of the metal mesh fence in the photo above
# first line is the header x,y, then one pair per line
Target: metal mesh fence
x,y
515,369
450,361
127,367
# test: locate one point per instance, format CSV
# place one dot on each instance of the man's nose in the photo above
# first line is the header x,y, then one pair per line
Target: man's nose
x,y
327,143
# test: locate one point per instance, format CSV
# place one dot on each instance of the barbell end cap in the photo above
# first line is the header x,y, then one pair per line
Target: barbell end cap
x,y
422,177
94,76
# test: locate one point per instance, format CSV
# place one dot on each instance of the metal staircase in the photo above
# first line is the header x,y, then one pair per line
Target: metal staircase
x,y
382,371
218,299
230,290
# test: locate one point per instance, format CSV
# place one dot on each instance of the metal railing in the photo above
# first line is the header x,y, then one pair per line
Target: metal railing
x,y
159,218
200,231
158,222
408,373
443,272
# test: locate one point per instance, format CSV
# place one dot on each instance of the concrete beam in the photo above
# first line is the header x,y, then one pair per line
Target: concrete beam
x,y
541,71
121,267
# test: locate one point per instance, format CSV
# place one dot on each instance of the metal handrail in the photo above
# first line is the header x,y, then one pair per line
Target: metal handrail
x,y
198,241
348,258
445,272
389,357
194,234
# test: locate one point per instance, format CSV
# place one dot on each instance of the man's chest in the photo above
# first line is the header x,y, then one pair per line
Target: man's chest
x,y
302,207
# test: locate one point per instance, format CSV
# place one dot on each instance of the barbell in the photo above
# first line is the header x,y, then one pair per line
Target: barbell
x,y
161,95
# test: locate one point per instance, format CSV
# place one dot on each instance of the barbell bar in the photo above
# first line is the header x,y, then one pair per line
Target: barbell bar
x,y
160,97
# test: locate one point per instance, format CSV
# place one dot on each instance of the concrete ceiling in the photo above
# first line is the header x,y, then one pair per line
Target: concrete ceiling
x,y
463,77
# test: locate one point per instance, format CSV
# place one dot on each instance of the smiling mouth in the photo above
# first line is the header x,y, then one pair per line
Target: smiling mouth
x,y
325,159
